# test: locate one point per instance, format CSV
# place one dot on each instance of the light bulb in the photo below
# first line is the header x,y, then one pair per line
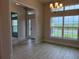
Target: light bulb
x,y
51,5
56,4
61,5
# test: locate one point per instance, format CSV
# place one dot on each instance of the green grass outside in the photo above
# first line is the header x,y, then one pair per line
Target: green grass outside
x,y
74,36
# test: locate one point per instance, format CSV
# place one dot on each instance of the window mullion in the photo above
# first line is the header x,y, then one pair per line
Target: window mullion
x,y
78,27
63,27
63,24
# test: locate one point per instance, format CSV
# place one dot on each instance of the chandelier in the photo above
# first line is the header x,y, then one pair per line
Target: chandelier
x,y
55,6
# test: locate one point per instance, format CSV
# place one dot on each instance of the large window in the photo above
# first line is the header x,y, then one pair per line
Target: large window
x,y
67,25
14,24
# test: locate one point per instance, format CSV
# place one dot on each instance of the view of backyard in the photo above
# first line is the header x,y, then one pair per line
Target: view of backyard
x,y
70,27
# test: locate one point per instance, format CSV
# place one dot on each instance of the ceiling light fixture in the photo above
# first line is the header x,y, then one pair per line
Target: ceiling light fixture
x,y
55,6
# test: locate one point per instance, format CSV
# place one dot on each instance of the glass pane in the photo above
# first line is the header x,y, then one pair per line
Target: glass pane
x,y
71,21
70,33
14,28
72,7
67,7
14,22
77,6
14,15
66,21
67,33
75,21
56,32
60,22
56,21
75,33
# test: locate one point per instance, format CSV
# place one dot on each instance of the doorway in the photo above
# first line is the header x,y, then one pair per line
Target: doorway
x,y
30,24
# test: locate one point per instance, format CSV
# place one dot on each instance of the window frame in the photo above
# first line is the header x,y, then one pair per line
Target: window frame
x,y
14,34
57,27
66,27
